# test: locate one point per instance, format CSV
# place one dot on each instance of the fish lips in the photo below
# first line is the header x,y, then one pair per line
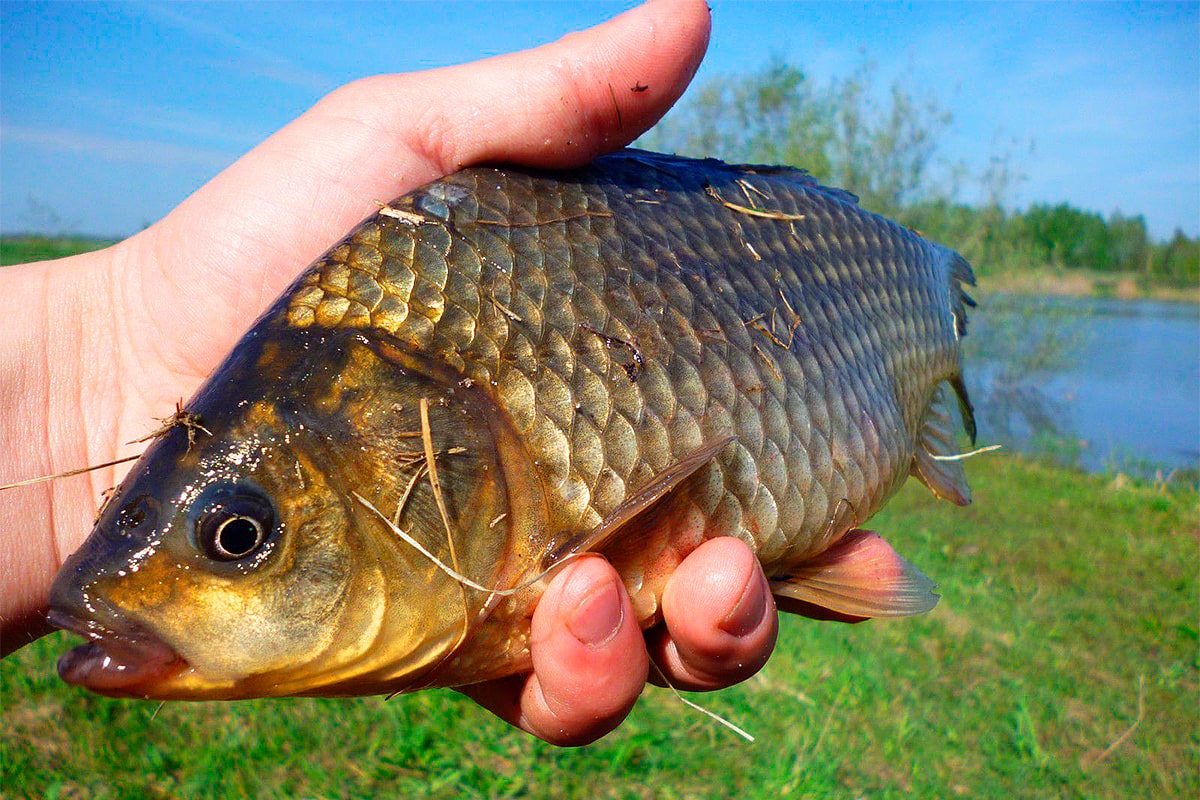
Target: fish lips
x,y
125,663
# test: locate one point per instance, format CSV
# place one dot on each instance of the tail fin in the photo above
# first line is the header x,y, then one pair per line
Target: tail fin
x,y
961,275
936,442
936,439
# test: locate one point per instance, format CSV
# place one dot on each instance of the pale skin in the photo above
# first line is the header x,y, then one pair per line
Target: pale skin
x,y
97,346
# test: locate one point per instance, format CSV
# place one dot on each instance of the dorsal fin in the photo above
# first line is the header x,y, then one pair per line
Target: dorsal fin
x,y
946,479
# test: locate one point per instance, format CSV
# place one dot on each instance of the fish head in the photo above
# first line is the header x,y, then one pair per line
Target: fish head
x,y
248,553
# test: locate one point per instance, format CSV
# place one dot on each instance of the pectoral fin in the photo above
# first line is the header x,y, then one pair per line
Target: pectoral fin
x,y
936,441
638,503
859,577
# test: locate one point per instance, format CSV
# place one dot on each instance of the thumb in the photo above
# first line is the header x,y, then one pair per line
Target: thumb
x,y
558,105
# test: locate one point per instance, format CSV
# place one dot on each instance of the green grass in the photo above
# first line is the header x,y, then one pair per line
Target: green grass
x,y
1061,593
23,248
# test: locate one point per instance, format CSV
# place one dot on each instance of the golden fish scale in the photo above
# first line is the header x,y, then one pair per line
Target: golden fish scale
x,y
815,335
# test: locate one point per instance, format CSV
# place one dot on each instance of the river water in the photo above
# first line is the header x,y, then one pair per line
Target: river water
x,y
1104,383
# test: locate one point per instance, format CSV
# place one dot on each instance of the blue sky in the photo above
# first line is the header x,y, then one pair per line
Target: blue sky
x,y
112,114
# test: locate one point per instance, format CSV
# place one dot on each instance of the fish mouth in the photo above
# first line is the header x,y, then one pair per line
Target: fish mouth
x,y
127,663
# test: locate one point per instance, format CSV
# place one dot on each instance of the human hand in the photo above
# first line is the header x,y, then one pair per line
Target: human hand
x,y
98,345
590,659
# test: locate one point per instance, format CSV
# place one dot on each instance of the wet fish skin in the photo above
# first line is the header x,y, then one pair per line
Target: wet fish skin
x,y
631,357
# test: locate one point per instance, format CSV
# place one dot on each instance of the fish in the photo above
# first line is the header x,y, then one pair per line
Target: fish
x,y
506,369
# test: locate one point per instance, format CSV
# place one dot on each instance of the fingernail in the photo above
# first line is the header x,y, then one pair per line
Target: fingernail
x,y
598,616
748,612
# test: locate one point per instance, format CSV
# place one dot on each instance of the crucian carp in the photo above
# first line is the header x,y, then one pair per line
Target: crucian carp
x,y
508,367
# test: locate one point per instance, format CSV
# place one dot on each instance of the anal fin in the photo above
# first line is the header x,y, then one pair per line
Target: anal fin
x,y
936,441
859,577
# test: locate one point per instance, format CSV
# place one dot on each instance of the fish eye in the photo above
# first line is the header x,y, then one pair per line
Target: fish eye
x,y
234,523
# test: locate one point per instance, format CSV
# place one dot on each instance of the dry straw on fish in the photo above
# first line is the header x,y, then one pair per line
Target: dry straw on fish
x,y
182,418
754,212
451,571
505,310
407,217
540,222
434,482
963,456
185,419
633,369
68,473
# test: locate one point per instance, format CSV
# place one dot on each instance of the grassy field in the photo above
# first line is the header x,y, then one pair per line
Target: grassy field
x,y
1068,619
32,247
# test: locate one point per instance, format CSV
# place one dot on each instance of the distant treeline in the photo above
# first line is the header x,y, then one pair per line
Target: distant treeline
x,y
1059,236
887,153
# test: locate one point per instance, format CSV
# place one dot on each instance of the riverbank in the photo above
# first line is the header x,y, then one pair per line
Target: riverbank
x,y
1060,282
1060,662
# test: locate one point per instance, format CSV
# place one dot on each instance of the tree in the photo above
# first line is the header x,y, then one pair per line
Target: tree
x,y
840,133
1180,259
883,147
